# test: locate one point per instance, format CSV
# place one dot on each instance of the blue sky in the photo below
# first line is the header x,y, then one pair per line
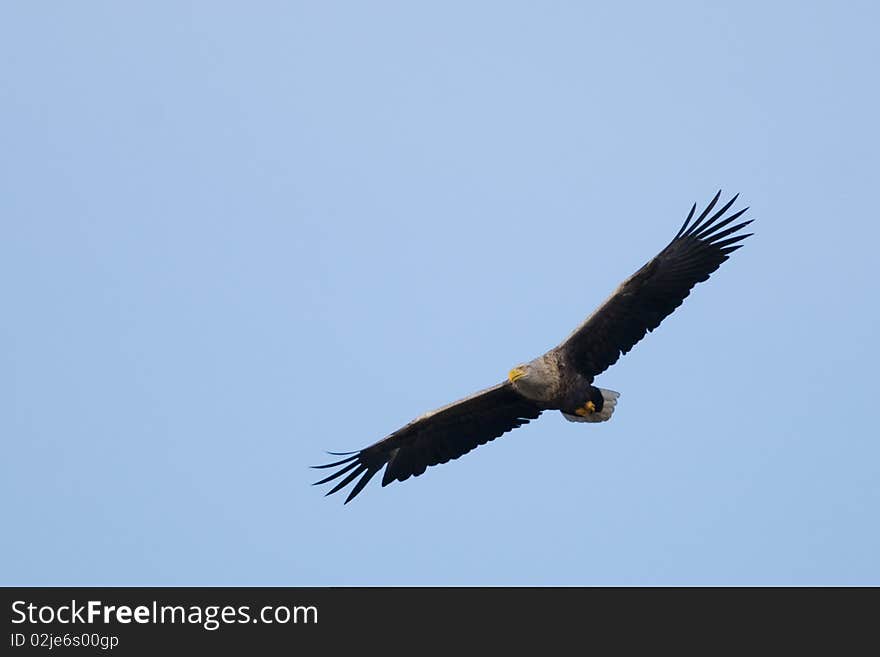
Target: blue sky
x,y
235,236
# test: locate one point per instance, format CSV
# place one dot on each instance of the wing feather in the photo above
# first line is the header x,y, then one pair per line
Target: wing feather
x,y
436,437
650,295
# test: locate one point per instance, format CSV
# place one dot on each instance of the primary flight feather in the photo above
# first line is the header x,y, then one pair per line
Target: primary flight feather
x,y
562,378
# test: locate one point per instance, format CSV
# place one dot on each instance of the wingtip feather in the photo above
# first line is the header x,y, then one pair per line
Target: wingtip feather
x,y
686,222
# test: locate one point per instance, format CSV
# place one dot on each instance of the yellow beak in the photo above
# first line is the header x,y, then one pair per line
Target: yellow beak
x,y
516,373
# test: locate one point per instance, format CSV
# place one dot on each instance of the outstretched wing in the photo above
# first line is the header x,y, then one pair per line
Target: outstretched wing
x,y
436,437
643,300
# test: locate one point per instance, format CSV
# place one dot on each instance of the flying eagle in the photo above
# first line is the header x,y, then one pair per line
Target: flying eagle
x,y
561,379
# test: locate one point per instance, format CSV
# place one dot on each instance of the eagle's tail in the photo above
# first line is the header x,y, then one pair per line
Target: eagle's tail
x,y
609,401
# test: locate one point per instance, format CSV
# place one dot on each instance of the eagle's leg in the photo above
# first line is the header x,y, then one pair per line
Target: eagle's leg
x,y
594,404
587,409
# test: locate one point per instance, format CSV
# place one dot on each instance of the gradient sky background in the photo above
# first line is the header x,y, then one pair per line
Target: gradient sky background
x,y
235,235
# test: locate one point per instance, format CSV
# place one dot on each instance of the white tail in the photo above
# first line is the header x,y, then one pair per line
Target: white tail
x,y
609,398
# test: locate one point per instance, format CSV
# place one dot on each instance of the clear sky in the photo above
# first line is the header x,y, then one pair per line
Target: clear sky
x,y
235,235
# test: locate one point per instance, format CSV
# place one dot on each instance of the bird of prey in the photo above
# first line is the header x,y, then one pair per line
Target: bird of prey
x,y
562,378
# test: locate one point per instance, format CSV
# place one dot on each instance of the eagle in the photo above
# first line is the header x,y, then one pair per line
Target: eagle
x,y
561,379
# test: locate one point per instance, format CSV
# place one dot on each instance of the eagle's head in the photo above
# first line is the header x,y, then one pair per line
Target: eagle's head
x,y
536,380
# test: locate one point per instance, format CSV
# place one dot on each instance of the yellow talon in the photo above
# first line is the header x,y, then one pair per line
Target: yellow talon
x,y
586,409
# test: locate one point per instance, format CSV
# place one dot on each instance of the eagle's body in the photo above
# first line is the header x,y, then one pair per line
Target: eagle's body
x,y
552,380
561,379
